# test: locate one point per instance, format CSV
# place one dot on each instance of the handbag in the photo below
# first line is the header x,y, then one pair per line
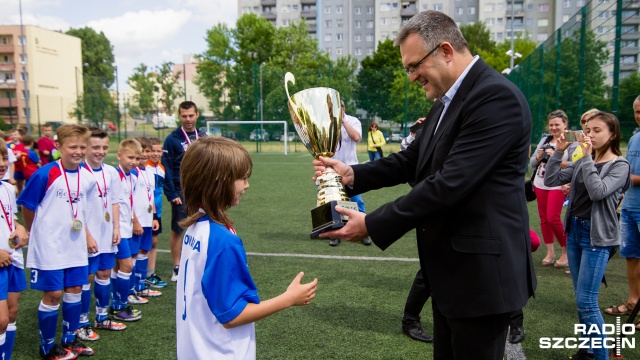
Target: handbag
x,y
378,148
529,192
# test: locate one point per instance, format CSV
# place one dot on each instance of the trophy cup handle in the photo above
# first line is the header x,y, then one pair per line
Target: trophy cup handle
x,y
288,77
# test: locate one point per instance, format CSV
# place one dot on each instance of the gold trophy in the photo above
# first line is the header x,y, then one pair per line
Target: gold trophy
x,y
317,117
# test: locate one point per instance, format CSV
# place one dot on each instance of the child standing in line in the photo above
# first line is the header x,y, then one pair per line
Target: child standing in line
x,y
217,301
46,143
128,155
29,158
143,224
155,168
55,210
103,221
12,278
17,147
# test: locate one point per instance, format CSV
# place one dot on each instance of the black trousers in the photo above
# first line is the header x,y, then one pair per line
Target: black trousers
x,y
478,338
418,296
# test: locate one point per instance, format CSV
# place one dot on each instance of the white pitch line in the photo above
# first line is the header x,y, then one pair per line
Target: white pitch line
x,y
332,257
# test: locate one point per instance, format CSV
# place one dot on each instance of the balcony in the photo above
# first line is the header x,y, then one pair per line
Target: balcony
x,y
516,13
312,29
268,2
7,84
7,67
269,15
308,14
408,12
307,2
4,103
7,48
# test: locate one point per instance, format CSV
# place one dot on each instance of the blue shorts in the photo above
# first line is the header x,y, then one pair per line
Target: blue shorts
x,y
18,175
4,283
146,240
134,245
17,280
630,234
104,261
124,252
54,280
159,231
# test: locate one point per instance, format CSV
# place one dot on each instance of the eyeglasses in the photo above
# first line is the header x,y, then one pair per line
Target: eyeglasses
x,y
411,69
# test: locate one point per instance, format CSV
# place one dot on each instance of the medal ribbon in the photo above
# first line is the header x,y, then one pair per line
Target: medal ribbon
x,y
187,137
146,183
4,212
130,187
104,181
74,212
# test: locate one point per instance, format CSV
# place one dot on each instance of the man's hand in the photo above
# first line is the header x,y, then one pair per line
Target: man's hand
x,y
354,231
137,228
319,166
177,201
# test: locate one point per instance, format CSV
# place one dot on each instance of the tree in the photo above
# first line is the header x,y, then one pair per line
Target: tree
x,y
167,81
375,79
98,72
629,91
478,38
143,82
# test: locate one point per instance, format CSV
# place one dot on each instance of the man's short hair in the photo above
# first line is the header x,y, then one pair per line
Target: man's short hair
x,y
434,27
130,145
186,105
72,130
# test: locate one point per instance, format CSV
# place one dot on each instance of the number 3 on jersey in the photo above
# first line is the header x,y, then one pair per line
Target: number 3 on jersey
x,y
34,276
186,267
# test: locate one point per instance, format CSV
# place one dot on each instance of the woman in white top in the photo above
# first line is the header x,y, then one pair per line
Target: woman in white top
x,y
550,199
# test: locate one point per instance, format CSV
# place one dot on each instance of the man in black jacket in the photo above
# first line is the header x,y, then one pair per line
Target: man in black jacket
x,y
467,206
175,145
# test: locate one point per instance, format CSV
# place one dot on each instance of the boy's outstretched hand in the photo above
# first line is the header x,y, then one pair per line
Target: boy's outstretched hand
x,y
301,294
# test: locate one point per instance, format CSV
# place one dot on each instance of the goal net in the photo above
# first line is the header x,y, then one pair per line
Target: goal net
x,y
273,136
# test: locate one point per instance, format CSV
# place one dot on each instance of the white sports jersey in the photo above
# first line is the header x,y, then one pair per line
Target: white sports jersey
x,y
128,182
213,288
8,199
53,243
143,198
100,204
346,152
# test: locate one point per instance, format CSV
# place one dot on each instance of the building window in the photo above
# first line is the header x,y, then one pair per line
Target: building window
x,y
543,7
385,7
471,10
285,8
567,3
369,37
339,9
489,7
25,76
603,14
565,18
629,59
329,51
327,23
499,6
285,22
294,7
22,40
369,51
385,21
339,36
499,35
339,23
357,38
369,9
327,37
601,29
384,35
629,29
356,10
6,41
437,7
358,24
489,21
358,51
529,21
542,36
369,24
339,51
327,9
580,3
23,58
499,21
543,22
459,11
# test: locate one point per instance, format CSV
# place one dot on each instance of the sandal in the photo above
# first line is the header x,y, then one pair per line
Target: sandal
x,y
561,265
546,262
615,309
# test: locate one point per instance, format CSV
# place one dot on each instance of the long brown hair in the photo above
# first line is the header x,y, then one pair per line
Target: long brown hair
x,y
208,173
614,128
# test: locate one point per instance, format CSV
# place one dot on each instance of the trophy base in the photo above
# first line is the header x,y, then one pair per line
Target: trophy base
x,y
325,217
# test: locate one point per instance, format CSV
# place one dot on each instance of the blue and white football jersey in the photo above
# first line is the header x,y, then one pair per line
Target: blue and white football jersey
x,y
143,197
214,287
128,182
8,198
53,243
100,204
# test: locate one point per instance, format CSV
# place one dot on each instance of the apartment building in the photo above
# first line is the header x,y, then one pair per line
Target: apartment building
x,y
188,71
49,73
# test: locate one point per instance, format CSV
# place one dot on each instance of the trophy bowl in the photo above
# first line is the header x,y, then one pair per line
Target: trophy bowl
x,y
317,117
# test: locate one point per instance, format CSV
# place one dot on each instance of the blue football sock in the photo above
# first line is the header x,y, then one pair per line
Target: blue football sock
x,y
47,321
101,291
141,269
71,305
122,290
9,341
86,304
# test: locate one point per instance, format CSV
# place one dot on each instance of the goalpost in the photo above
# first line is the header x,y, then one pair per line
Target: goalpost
x,y
256,122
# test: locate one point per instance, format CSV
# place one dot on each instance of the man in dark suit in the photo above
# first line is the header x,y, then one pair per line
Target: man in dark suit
x,y
468,205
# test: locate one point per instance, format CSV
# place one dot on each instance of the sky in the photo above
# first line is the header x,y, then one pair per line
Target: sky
x,y
140,31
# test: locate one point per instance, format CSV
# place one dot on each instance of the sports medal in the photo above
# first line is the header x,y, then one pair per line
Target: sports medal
x,y
76,225
107,217
103,195
147,184
149,209
13,242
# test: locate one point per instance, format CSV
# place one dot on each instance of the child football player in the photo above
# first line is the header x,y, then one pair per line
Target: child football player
x,y
217,301
102,221
17,147
143,223
12,277
55,210
155,168
29,157
128,155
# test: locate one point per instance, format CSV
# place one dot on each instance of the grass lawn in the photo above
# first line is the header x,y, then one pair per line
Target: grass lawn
x,y
359,304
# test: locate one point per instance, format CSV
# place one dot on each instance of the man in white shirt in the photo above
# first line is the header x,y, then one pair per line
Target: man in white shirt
x,y
351,134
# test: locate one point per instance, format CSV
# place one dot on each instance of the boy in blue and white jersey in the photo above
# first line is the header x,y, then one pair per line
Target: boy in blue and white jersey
x,y
55,210
102,221
128,155
154,167
217,301
143,224
12,278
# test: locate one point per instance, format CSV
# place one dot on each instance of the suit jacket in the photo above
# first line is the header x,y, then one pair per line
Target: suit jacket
x,y
468,205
